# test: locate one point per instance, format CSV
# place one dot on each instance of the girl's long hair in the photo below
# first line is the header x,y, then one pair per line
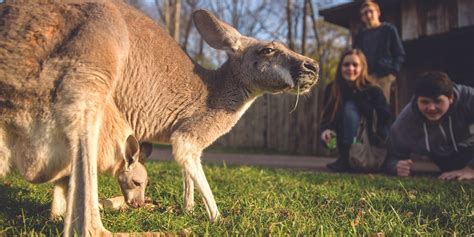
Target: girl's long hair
x,y
335,98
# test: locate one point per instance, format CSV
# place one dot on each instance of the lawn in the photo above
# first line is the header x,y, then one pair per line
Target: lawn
x,y
261,201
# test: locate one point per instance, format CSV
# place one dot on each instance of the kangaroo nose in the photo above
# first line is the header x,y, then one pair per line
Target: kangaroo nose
x,y
312,66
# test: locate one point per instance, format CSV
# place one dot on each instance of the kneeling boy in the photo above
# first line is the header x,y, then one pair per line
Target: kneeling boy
x,y
438,123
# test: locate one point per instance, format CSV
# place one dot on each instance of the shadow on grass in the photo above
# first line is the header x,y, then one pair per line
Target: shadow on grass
x,y
24,213
422,201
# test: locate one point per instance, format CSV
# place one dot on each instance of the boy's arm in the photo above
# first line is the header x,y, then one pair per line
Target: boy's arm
x,y
466,97
394,154
468,144
356,42
397,49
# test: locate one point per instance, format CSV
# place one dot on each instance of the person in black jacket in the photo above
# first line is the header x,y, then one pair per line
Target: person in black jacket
x,y
381,45
348,98
438,123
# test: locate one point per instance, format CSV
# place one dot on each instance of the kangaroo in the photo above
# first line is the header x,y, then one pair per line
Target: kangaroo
x,y
130,174
133,182
76,79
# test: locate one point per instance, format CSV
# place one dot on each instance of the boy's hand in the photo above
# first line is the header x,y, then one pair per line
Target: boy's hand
x,y
404,167
465,173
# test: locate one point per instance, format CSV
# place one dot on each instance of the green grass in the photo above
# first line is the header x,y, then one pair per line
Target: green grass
x,y
260,201
235,150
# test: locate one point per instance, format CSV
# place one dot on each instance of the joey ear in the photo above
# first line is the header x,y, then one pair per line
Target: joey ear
x,y
145,151
131,151
215,32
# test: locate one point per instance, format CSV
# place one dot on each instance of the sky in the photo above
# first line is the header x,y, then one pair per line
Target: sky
x,y
330,3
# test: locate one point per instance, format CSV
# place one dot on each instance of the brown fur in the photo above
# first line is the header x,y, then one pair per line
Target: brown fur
x,y
77,79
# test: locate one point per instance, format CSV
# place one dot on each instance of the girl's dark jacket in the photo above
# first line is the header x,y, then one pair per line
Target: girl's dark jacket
x,y
368,100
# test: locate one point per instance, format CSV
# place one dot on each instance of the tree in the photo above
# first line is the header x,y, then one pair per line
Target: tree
x,y
176,19
289,17
303,30
166,14
192,4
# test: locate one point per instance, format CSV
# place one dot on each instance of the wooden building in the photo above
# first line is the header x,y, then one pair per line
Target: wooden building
x,y
436,34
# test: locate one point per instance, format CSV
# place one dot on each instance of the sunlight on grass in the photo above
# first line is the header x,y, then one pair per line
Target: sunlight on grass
x,y
258,201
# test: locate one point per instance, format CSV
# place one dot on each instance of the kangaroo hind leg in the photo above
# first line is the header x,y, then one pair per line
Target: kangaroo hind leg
x,y
4,155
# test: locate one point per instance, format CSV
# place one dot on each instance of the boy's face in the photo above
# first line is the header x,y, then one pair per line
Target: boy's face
x,y
434,108
369,15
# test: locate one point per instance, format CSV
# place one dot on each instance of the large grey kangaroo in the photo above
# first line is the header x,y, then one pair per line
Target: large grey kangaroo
x,y
78,78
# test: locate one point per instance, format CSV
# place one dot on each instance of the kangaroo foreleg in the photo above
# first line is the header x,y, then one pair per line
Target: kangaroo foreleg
x,y
188,186
189,158
198,176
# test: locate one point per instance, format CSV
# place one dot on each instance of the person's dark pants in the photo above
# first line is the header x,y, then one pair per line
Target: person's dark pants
x,y
345,138
455,161
351,118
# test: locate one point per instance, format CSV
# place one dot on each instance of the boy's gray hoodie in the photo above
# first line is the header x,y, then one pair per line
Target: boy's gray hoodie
x,y
412,133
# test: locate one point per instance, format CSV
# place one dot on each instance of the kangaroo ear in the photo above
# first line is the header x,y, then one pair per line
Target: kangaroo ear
x,y
216,33
145,151
131,151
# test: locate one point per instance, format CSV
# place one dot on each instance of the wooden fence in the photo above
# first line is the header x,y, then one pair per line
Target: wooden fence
x,y
268,124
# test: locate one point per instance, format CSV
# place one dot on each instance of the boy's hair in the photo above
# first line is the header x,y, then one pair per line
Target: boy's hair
x,y
433,84
368,3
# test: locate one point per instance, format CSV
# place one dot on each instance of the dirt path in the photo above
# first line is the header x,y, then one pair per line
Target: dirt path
x,y
276,161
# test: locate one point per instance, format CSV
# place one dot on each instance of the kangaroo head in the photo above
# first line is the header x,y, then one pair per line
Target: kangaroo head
x,y
132,175
262,66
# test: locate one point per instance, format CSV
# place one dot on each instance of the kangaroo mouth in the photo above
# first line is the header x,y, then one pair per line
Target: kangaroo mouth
x,y
304,83
298,83
304,78
135,203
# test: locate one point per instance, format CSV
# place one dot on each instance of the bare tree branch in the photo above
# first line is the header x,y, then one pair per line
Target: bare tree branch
x,y
167,15
289,17
303,33
177,17
193,5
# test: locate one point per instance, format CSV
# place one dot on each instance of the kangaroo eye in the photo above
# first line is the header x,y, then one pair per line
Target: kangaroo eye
x,y
267,51
138,184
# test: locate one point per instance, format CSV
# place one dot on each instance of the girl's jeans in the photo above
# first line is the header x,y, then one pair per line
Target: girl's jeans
x,y
351,119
